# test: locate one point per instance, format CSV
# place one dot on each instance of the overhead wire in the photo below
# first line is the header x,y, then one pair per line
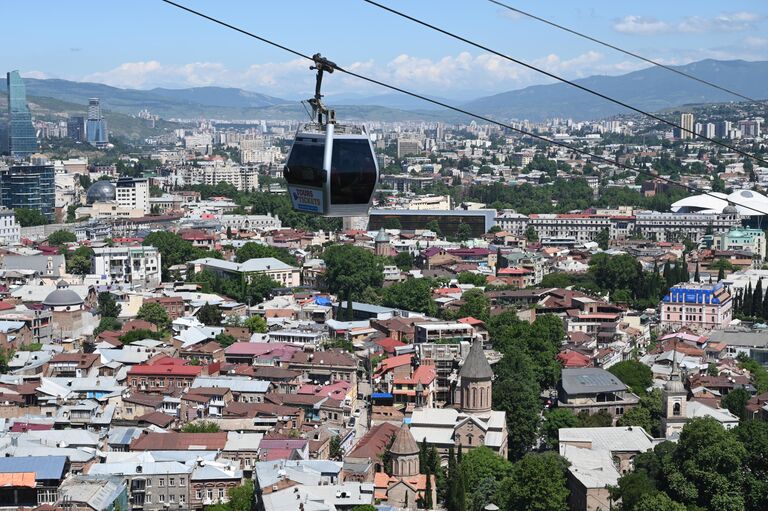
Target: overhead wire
x,y
463,111
622,50
565,81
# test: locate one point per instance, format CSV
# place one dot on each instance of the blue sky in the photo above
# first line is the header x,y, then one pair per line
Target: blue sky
x,y
146,43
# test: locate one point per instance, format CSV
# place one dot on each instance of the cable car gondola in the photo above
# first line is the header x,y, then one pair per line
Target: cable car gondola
x,y
331,169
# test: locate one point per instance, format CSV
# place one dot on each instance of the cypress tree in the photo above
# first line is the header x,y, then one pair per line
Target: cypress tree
x,y
721,273
423,464
685,275
696,277
757,300
667,274
428,492
746,307
764,311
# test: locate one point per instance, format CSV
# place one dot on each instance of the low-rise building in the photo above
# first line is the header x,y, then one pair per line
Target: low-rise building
x,y
594,390
139,266
698,306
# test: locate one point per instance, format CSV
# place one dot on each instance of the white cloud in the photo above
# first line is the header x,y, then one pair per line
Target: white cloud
x,y
460,75
35,74
725,22
640,25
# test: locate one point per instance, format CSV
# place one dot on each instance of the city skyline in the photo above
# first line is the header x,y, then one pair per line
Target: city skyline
x,y
176,50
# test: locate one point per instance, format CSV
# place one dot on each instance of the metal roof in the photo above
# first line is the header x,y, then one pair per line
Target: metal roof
x,y
589,380
44,467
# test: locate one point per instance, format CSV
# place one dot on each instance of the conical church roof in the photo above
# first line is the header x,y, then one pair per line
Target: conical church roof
x,y
476,366
404,443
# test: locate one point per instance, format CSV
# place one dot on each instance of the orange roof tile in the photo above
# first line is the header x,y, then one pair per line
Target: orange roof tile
x,y
18,479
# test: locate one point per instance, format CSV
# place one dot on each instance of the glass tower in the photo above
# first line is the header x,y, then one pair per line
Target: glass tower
x,y
21,133
95,125
29,186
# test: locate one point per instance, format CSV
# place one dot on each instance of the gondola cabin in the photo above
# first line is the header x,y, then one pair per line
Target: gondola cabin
x,y
332,170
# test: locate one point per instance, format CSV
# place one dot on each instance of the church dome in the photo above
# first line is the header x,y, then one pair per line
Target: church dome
x,y
62,297
101,191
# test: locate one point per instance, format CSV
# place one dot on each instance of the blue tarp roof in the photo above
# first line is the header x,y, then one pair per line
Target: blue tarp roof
x,y
381,395
322,300
44,467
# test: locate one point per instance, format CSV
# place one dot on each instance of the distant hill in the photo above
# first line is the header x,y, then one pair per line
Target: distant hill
x,y
651,89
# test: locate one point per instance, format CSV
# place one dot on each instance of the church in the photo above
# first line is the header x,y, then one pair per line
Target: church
x,y
473,423
405,487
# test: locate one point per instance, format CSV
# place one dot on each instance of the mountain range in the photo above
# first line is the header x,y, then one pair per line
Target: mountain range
x,y
651,89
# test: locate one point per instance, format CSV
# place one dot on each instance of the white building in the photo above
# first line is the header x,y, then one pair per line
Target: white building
x,y
139,265
251,222
133,193
284,274
10,231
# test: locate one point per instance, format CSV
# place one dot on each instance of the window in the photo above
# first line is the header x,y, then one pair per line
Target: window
x,y
199,494
182,481
221,493
182,499
148,499
676,410
171,481
210,493
161,482
172,498
149,482
161,498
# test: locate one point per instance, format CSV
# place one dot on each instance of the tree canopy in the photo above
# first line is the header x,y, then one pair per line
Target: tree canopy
x,y
156,314
412,295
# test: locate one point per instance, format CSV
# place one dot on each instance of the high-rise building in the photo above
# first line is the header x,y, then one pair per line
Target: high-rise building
x,y
686,122
30,186
96,126
723,128
133,193
709,130
76,128
22,141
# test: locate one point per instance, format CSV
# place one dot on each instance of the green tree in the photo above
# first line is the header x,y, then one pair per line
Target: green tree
x,y
335,450
107,306
412,295
209,315
201,427
554,420
79,261
515,392
476,279
241,497
463,232
61,237
434,226
482,471
635,375
393,223
253,250
137,335
156,314
404,260
256,325
603,239
736,402
537,483
475,304
657,502
637,416
173,249
225,340
531,235
30,217
349,270
632,488
107,323
753,434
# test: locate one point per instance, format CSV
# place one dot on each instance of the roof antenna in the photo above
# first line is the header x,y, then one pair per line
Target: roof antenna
x,y
322,64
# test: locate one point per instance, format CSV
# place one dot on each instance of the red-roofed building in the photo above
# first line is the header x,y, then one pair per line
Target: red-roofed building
x,y
570,359
163,376
389,345
416,389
